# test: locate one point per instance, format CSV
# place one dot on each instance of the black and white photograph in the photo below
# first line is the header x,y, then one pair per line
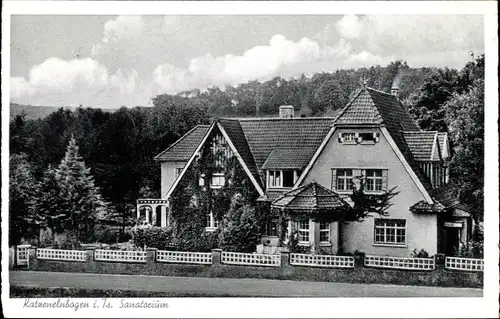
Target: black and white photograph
x,y
249,159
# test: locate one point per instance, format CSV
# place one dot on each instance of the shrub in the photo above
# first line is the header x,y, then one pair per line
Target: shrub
x,y
293,244
420,254
152,236
241,230
107,235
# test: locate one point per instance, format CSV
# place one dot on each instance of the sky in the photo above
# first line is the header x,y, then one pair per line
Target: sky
x,y
114,61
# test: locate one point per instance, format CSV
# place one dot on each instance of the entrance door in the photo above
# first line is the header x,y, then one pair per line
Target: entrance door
x,y
451,240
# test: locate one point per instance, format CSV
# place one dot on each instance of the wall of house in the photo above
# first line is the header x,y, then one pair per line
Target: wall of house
x,y
421,230
168,175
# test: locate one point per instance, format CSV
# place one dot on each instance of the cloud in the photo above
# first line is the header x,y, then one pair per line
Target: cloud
x,y
79,81
281,57
350,26
412,34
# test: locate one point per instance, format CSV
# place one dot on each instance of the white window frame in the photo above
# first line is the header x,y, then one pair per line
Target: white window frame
x,y
306,232
386,225
345,178
324,228
273,181
373,179
217,177
212,223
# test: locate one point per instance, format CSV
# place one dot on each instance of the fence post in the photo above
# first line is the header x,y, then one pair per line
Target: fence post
x,y
216,256
31,257
359,259
90,253
440,260
150,258
285,257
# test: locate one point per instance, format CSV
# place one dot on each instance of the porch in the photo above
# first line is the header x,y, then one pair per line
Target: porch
x,y
153,211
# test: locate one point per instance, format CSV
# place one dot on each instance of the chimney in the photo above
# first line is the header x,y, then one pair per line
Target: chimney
x,y
286,111
395,91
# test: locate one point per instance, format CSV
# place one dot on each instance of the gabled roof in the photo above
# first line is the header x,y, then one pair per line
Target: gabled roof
x,y
421,144
184,147
288,158
374,107
443,144
235,133
265,135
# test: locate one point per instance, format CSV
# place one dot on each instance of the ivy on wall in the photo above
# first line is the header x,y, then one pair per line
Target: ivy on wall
x,y
191,203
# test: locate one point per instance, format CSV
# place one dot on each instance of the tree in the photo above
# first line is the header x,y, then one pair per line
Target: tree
x,y
81,198
240,229
24,220
465,119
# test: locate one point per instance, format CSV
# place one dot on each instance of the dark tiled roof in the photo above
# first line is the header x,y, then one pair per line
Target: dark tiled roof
x,y
371,106
265,135
184,147
312,196
237,137
424,207
420,144
288,158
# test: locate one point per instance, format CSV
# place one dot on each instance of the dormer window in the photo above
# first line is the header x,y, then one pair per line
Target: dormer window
x,y
359,137
281,178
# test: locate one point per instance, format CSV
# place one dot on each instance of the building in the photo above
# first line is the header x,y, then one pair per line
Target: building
x,y
373,139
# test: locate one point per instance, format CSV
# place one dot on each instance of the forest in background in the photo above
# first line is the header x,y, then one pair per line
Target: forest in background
x,y
118,147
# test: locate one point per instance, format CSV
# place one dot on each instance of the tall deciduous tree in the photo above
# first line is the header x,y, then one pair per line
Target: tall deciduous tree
x,y
81,198
465,119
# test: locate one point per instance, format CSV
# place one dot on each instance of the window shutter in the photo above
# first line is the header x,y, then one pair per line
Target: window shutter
x,y
376,137
358,138
334,179
384,179
341,138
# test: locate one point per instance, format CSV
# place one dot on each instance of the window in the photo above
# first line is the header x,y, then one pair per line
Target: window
x,y
324,232
218,180
278,179
212,223
303,231
178,171
374,180
274,179
288,178
390,231
354,138
349,137
272,228
345,180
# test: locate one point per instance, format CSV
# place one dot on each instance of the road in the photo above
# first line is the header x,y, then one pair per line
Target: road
x,y
229,286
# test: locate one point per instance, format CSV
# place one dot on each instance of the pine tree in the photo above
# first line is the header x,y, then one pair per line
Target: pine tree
x,y
81,199
24,221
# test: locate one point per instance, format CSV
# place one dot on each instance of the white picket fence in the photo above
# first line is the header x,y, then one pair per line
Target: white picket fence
x,y
322,260
183,257
61,254
470,264
400,262
250,259
120,255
